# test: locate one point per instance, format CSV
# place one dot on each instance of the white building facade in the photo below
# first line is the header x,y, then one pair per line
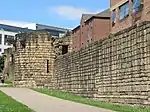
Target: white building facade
x,y
8,33
4,35
8,29
55,31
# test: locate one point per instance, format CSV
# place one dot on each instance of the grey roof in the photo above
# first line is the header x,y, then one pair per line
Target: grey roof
x,y
105,13
14,28
87,16
41,27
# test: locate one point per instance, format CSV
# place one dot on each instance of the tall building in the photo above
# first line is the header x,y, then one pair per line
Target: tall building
x,y
8,32
126,13
92,27
54,31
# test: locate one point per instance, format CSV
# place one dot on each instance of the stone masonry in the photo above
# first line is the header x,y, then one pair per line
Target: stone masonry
x,y
34,59
115,69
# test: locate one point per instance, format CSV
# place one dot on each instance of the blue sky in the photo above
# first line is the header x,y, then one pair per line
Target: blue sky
x,y
64,13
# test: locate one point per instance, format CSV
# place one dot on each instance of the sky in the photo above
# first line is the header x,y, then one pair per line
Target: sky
x,y
63,13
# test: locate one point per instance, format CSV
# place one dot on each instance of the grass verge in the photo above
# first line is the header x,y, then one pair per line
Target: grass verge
x,y
6,85
71,97
7,104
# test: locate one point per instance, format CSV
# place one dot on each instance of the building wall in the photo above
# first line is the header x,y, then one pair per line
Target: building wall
x,y
101,29
83,27
90,31
114,2
76,39
132,19
84,34
2,45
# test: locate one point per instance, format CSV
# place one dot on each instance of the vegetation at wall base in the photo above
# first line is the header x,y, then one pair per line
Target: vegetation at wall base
x,y
1,63
8,83
7,104
71,97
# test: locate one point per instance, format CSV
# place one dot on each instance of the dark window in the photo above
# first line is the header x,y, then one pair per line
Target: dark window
x,y
88,41
136,5
0,38
7,38
47,64
0,50
113,17
12,58
124,11
36,27
64,49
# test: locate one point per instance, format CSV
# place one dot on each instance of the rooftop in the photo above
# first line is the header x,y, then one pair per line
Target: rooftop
x,y
105,13
86,17
14,29
31,25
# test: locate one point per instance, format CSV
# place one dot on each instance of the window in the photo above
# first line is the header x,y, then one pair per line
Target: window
x,y
12,58
136,5
113,17
7,38
124,11
47,64
64,49
0,38
0,50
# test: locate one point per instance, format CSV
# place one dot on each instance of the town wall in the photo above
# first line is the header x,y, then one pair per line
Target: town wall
x,y
115,69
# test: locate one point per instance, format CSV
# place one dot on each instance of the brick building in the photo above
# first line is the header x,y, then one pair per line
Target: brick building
x,y
92,27
126,13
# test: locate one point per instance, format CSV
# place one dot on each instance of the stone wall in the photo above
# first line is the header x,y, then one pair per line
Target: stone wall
x,y
76,71
34,59
116,69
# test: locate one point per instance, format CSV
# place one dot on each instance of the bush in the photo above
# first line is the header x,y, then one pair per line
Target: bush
x,y
1,63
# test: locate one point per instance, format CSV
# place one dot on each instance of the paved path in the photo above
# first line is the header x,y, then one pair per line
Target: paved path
x,y
43,103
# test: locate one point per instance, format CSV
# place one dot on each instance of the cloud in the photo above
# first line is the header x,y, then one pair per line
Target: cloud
x,y
70,12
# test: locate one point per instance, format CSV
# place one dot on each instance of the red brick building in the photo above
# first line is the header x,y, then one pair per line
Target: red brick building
x,y
92,27
125,13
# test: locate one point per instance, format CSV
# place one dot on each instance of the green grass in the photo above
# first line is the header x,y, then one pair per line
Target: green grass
x,y
8,83
7,104
71,97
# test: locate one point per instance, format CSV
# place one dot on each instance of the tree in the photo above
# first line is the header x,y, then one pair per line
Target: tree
x,y
1,63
